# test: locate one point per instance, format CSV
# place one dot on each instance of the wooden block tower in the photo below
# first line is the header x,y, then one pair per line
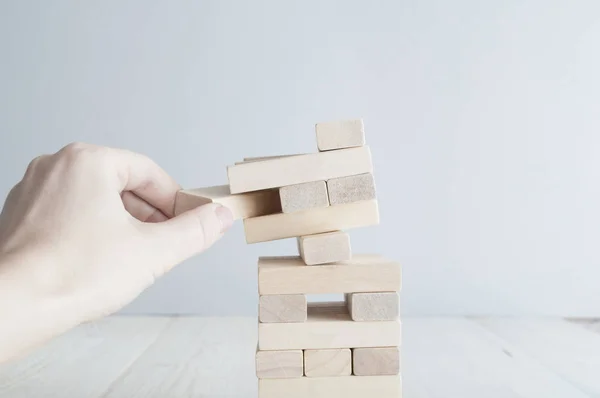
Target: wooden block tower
x,y
317,350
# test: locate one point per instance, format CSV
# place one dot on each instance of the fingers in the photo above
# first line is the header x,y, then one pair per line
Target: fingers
x,y
36,162
133,172
140,209
186,235
148,181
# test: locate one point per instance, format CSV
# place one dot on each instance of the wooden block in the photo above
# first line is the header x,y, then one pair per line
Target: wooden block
x,y
351,189
251,204
328,326
282,308
279,364
290,170
381,306
326,363
304,196
325,248
378,361
340,134
332,387
363,273
309,222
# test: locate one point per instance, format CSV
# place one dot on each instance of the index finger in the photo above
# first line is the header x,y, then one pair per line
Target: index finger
x,y
146,179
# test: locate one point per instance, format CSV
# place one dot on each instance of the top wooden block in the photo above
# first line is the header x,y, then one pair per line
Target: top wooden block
x,y
298,169
340,134
251,204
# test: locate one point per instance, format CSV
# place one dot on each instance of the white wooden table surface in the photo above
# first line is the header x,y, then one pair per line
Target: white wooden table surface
x,y
214,357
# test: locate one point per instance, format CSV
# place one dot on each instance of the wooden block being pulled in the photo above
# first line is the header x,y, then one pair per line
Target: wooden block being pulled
x,y
328,326
378,361
325,248
309,222
298,169
282,308
351,189
251,204
279,364
380,306
363,273
340,134
304,196
332,387
327,363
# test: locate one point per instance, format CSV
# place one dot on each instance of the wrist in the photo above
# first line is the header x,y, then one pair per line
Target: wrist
x,y
30,314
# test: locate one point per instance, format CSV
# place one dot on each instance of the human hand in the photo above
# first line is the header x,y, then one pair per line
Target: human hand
x,y
83,234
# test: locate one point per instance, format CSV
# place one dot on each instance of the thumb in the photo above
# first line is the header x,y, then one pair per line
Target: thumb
x,y
186,235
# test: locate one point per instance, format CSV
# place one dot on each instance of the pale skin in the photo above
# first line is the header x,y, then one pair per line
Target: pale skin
x,y
83,233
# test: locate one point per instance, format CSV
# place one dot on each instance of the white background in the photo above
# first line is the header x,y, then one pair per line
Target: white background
x,y
483,118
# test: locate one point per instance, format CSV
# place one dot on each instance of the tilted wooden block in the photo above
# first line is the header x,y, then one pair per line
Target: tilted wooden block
x,y
282,308
325,248
363,273
328,326
381,306
313,221
251,204
303,196
326,363
351,189
279,364
297,169
332,387
376,361
340,134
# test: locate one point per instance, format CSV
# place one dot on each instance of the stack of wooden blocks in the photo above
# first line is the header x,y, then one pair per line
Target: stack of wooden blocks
x,y
311,350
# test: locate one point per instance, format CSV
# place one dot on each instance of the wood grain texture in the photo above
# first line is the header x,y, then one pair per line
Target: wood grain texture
x,y
566,349
313,221
193,357
380,306
290,170
122,357
363,273
332,387
328,247
328,326
340,134
251,204
456,357
351,189
328,363
378,361
282,308
83,362
279,364
308,195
